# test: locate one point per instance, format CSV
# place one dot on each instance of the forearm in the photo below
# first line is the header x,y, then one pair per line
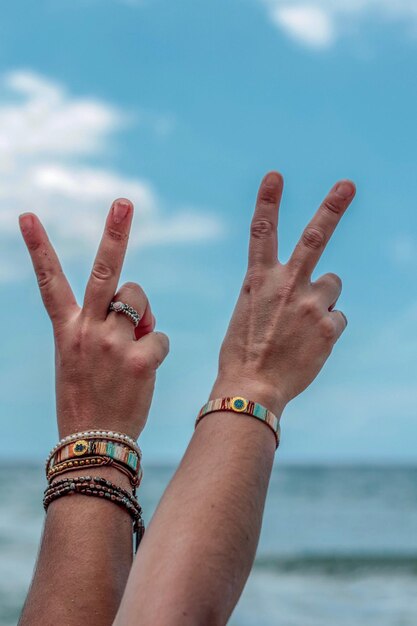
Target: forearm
x,y
83,563
214,504
106,358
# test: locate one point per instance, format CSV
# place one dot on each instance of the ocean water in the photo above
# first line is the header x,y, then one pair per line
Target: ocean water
x,y
338,545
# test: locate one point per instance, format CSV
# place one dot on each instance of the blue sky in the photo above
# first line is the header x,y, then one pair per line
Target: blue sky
x,y
183,107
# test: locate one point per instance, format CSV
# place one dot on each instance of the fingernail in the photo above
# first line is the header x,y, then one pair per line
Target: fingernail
x,y
120,211
272,178
26,223
344,190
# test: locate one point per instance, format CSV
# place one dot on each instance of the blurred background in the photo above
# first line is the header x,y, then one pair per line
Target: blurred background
x,y
183,107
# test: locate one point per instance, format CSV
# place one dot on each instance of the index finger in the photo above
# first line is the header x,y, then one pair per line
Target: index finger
x,y
263,243
318,232
56,292
108,263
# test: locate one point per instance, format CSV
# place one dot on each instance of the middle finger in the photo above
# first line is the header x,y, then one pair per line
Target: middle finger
x,y
108,263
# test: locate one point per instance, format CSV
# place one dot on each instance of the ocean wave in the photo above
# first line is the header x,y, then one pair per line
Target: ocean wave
x,y
340,564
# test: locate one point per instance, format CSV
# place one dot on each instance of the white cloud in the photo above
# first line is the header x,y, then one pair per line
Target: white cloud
x,y
309,23
46,121
319,23
50,143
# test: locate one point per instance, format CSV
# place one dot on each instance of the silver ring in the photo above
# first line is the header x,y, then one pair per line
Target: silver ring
x,y
126,309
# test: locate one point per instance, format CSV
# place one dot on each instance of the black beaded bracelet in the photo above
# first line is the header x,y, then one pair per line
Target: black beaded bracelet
x,y
98,486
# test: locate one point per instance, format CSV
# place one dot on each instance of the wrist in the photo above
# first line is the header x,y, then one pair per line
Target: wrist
x,y
72,417
71,427
67,427
270,398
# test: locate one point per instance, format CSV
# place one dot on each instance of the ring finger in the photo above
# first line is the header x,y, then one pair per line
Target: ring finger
x,y
329,287
133,295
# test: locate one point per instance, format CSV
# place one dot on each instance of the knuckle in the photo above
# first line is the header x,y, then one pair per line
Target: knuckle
x,y
107,343
33,245
331,205
313,238
310,308
116,235
261,228
140,366
327,329
45,279
101,271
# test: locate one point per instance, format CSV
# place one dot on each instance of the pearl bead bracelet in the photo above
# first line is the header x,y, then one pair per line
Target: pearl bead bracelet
x,y
98,434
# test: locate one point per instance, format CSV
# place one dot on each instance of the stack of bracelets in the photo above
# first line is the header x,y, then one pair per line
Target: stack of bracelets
x,y
86,451
95,448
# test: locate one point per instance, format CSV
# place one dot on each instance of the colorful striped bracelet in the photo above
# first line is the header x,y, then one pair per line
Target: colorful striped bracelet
x,y
95,447
246,407
97,434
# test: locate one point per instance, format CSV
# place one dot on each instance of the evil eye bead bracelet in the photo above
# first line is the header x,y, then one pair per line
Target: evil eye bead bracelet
x,y
240,405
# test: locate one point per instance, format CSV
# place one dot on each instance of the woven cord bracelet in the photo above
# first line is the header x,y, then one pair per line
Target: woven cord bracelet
x,y
237,404
90,451
91,463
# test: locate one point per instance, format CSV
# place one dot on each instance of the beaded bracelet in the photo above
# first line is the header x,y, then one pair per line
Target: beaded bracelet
x,y
79,449
98,487
246,407
97,434
95,481
87,447
96,461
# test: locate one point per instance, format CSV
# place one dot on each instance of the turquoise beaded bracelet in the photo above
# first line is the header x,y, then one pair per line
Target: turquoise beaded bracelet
x,y
246,407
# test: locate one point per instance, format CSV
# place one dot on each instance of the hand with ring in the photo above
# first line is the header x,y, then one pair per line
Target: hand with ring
x,y
107,351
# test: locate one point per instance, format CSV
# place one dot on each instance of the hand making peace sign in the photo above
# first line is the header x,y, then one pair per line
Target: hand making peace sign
x,y
105,367
284,325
